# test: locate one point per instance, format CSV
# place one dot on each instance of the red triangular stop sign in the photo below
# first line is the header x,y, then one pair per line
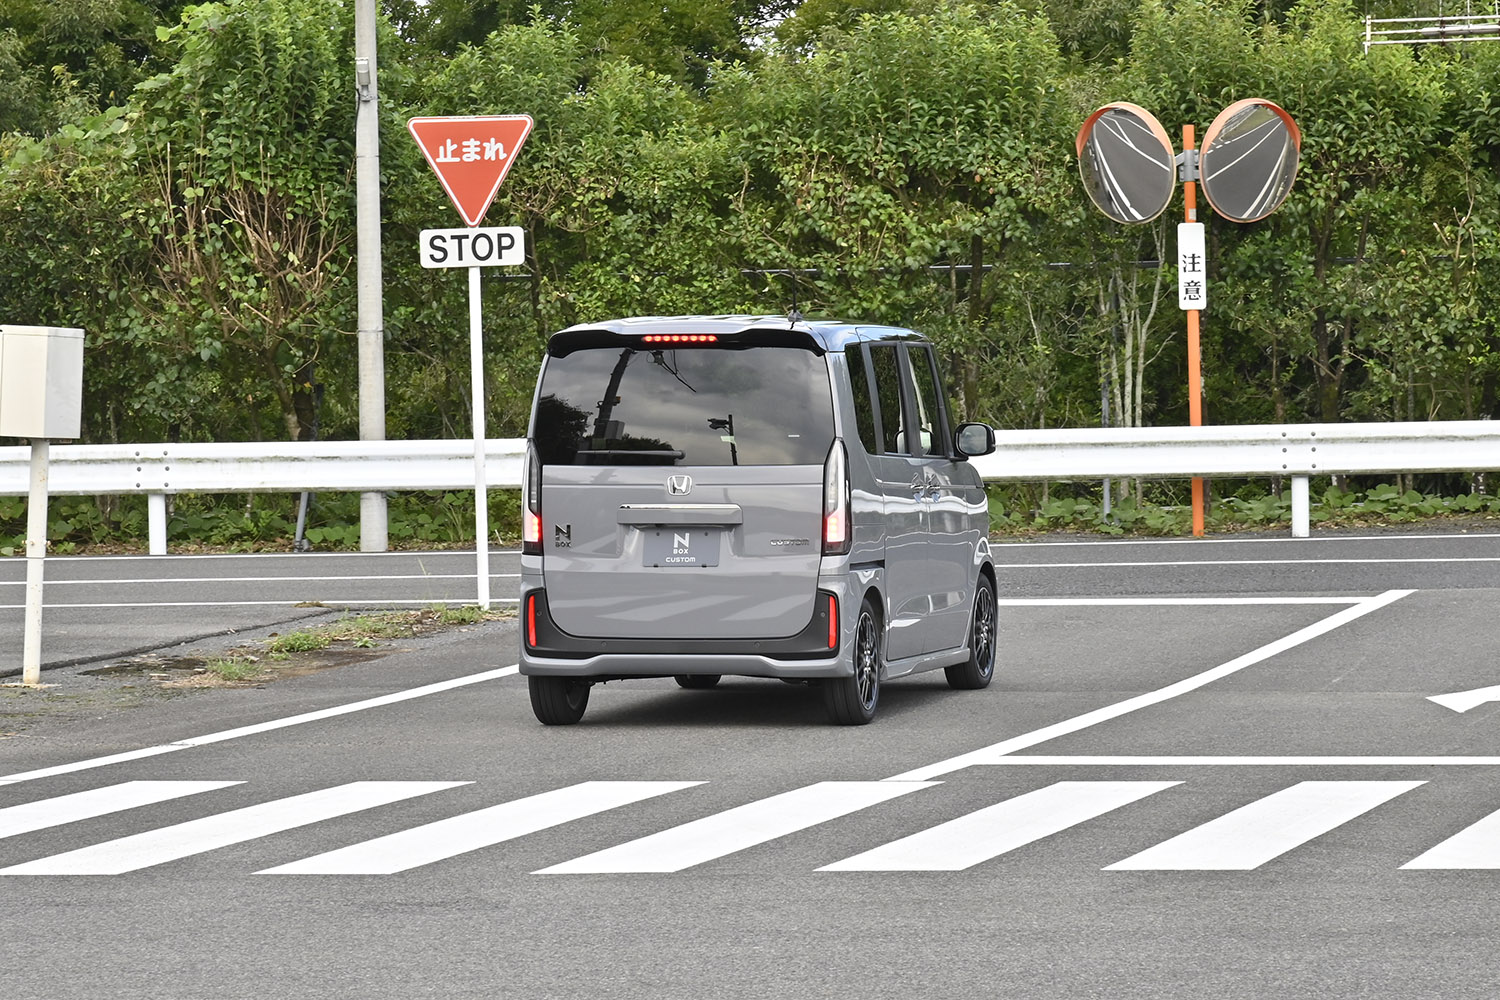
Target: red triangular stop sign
x,y
471,155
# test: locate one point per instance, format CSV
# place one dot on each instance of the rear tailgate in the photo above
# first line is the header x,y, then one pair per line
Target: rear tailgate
x,y
737,558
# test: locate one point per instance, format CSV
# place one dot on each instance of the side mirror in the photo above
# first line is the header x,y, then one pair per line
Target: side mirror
x,y
973,440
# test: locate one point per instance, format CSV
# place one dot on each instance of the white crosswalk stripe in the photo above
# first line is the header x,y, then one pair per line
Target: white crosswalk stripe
x,y
170,843
423,845
990,832
1240,840
1265,829
63,809
1474,847
738,829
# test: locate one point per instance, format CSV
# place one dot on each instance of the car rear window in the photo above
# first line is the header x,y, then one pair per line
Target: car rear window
x,y
684,406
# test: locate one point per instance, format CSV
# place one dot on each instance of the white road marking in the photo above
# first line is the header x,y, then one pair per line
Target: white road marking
x,y
1463,701
1200,542
330,602
1244,562
263,727
424,845
990,832
32,816
1474,847
988,754
111,581
1165,602
737,829
1250,836
1212,761
155,847
202,557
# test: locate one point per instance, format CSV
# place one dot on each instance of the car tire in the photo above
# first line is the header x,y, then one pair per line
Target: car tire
x,y
558,701
980,667
697,682
851,701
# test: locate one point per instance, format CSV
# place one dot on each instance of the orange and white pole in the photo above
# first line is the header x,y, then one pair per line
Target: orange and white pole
x,y
1194,357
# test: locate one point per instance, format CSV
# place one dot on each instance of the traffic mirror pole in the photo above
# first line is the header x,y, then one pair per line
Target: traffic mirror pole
x,y
1194,353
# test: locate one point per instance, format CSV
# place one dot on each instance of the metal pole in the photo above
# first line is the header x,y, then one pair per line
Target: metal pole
x,y
1104,414
36,551
1194,359
372,507
481,491
1301,508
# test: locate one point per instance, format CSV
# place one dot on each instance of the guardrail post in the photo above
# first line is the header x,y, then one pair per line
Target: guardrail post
x,y
1301,508
156,523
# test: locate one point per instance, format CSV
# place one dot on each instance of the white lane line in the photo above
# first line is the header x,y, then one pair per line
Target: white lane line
x,y
1164,602
987,754
332,602
1200,542
424,845
1212,761
201,557
990,832
1265,829
264,727
737,829
62,809
112,581
156,847
1244,562
1474,847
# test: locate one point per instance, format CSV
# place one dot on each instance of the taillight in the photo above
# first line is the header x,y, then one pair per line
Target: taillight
x,y
531,621
531,507
836,501
833,622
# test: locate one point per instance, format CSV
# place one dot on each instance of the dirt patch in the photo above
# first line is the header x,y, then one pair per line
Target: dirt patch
x,y
90,693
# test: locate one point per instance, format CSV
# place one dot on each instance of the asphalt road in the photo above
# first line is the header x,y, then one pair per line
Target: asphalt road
x,y
1204,769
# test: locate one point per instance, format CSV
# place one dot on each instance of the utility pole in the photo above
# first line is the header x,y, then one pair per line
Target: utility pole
x,y
372,507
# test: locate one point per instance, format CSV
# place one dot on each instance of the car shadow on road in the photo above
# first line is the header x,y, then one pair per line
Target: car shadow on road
x,y
748,702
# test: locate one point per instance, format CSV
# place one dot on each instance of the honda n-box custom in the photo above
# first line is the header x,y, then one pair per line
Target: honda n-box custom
x,y
750,495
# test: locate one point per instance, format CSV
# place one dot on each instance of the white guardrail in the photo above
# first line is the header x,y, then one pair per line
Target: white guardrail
x,y
1295,451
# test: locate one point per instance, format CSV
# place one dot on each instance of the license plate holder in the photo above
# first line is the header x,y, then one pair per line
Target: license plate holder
x,y
681,547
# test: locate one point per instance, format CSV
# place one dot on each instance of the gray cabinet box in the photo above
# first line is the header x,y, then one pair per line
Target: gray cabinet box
x,y
41,381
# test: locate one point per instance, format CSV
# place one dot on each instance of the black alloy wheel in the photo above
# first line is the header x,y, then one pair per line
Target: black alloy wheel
x,y
979,669
851,701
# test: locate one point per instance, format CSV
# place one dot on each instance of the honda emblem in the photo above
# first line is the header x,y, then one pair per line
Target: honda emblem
x,y
679,486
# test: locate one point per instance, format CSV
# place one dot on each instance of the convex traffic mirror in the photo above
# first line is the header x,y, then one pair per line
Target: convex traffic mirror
x,y
1127,162
1249,159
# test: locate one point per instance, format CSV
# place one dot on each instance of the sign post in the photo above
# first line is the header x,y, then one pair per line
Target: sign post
x,y
1192,296
471,156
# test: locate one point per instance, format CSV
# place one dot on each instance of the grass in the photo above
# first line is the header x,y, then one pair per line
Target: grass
x,y
234,668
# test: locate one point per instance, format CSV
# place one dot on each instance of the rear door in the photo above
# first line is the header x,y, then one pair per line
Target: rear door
x,y
682,489
902,477
950,499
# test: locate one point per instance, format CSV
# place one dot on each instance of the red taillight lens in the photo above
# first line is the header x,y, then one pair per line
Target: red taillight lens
x,y
836,501
680,338
833,622
531,621
531,506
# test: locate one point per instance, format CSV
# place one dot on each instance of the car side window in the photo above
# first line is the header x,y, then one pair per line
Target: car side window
x,y
931,429
887,370
864,410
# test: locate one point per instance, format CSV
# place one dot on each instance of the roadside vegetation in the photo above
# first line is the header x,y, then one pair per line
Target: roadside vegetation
x,y
176,180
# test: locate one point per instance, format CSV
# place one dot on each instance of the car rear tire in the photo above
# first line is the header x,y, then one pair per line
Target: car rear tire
x,y
558,701
697,682
851,701
980,668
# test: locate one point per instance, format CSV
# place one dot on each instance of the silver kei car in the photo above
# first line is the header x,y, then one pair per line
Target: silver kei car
x,y
755,496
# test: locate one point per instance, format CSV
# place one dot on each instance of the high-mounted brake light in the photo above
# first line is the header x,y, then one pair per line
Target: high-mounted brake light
x,y
531,513
680,338
836,501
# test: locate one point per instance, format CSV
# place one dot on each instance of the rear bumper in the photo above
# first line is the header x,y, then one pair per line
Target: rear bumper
x,y
806,655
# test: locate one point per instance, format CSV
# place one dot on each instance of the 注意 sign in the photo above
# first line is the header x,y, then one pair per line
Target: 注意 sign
x,y
471,155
